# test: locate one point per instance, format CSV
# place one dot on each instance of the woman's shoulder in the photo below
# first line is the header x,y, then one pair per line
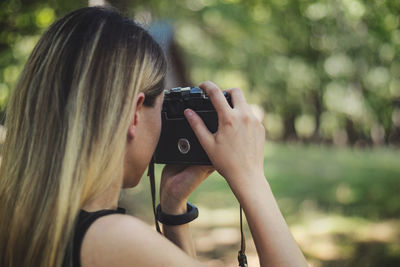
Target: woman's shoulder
x,y
123,240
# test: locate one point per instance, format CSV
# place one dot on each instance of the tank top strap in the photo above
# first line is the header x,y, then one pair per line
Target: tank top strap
x,y
85,219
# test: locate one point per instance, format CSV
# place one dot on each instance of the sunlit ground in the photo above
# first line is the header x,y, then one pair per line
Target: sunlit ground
x,y
342,206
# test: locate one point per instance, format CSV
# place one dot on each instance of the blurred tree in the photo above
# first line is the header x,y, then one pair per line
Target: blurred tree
x,y
323,70
326,69
21,21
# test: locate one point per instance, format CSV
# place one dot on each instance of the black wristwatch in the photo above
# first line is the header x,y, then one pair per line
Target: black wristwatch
x,y
168,219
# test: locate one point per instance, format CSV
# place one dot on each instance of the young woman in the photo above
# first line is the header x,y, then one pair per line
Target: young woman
x,y
83,122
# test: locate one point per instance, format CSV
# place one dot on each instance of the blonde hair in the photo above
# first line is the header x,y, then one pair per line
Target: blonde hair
x,y
67,123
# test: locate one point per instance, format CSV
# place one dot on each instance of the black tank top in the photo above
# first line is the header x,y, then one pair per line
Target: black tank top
x,y
85,219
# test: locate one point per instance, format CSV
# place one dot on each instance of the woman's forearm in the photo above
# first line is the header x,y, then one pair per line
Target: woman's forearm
x,y
274,242
180,235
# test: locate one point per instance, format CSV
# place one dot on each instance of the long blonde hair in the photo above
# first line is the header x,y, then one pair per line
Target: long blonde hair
x,y
67,123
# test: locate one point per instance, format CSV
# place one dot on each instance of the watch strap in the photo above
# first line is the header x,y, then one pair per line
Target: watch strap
x,y
169,219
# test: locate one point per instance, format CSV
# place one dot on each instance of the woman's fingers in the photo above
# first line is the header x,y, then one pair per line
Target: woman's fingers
x,y
172,169
190,172
238,99
200,129
202,171
217,98
176,187
237,148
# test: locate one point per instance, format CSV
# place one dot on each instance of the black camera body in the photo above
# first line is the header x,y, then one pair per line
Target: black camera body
x,y
178,143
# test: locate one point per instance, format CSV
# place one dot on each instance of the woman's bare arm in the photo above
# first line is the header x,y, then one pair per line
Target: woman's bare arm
x,y
237,152
124,241
177,183
274,242
180,235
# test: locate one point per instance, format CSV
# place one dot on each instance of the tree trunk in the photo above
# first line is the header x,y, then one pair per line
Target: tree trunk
x,y
351,132
289,129
317,115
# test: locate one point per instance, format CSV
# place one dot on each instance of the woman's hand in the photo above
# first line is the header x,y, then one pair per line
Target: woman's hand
x,y
237,148
177,183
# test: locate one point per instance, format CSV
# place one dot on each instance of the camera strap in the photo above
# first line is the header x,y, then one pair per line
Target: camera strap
x,y
241,254
150,174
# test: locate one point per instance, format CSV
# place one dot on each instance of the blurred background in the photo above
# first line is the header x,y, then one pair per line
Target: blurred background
x,y
323,77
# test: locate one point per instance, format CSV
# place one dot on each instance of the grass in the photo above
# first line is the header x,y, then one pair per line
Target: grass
x,y
342,205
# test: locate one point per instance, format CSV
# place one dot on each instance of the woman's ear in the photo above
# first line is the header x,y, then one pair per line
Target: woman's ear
x,y
136,115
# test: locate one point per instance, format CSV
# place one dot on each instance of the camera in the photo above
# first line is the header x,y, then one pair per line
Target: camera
x,y
178,143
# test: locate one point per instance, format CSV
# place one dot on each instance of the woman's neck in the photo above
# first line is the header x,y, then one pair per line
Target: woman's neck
x,y
107,200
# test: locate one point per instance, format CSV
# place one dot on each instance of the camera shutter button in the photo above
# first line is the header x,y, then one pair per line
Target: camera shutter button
x,y
183,145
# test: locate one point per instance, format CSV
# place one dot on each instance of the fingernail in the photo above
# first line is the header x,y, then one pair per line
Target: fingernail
x,y
189,112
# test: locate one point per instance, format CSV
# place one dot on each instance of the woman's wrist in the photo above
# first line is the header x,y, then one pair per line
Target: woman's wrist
x,y
245,186
173,207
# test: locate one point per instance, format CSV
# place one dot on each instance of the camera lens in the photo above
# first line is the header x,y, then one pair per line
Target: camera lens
x,y
183,145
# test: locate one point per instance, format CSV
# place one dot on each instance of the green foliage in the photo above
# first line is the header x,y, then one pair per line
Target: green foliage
x,y
21,23
323,70
299,59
